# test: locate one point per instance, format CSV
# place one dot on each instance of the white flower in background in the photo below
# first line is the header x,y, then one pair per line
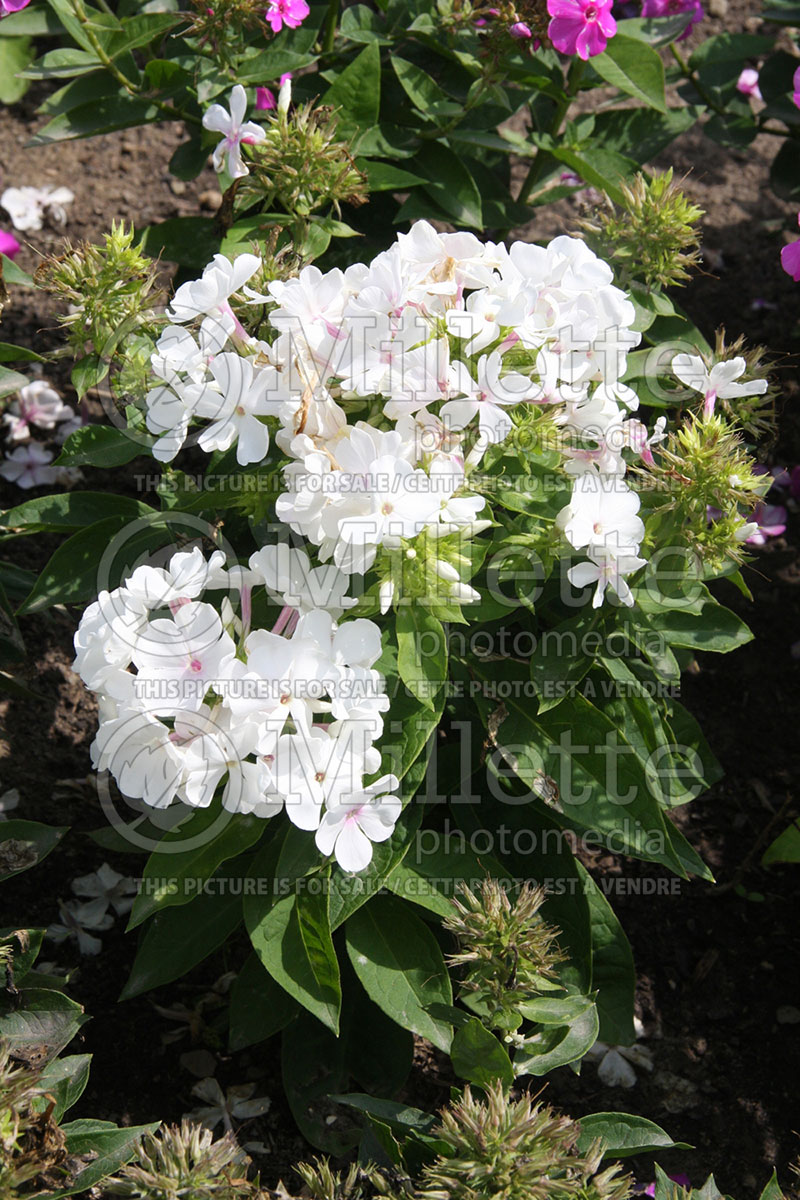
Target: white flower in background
x,y
236,132
8,802
81,922
29,466
718,383
226,1107
349,828
107,885
615,1064
28,206
39,404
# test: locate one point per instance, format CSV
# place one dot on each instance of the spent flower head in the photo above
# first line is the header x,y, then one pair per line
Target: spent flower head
x,y
109,289
652,236
184,1161
507,952
514,1150
703,467
302,164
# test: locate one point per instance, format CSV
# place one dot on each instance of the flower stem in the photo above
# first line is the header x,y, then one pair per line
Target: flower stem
x,y
331,25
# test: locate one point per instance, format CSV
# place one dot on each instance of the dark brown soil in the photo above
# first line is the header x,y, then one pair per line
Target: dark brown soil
x,y
714,963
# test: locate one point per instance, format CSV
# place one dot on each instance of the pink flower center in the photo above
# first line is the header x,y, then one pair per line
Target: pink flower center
x,y
195,665
590,12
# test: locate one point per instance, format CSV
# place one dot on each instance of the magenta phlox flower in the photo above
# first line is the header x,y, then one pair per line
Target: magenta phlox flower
x,y
581,27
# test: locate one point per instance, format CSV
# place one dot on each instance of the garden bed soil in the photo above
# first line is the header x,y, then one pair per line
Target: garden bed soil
x,y
716,965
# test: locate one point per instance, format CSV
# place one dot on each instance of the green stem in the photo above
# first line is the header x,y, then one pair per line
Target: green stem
x,y
331,25
692,77
133,89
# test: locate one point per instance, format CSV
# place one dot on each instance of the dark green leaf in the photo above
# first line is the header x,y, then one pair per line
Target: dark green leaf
x,y
259,1007
624,1134
479,1057
401,967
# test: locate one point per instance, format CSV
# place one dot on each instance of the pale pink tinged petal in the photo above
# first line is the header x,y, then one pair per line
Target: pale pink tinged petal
x,y
238,104
216,119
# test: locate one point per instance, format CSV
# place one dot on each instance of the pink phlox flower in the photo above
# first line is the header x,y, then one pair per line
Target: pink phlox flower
x,y
8,243
290,13
747,83
790,258
796,88
581,27
11,6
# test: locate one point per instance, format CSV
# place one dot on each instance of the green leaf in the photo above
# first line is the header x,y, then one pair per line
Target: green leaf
x,y
613,972
422,91
714,629
785,848
421,652
11,273
293,941
23,960
401,967
102,446
140,30
65,1080
658,31
558,1010
66,62
772,1191
356,92
71,510
624,1134
11,381
46,1018
384,177
635,68
72,574
179,938
479,1057
268,65
560,1046
189,855
314,1065
188,241
15,55
104,115
259,1007
24,844
109,1146
449,183
400,1117
86,374
9,353
572,746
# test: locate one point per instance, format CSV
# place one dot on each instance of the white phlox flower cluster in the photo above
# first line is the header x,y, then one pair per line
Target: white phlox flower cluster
x,y
438,346
192,700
